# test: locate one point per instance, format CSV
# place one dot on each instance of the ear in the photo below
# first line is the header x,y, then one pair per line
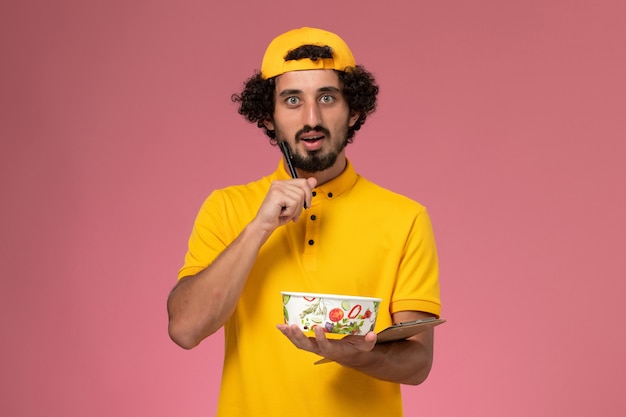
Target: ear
x,y
353,118
268,123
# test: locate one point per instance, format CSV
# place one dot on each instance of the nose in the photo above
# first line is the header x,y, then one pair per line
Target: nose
x,y
312,114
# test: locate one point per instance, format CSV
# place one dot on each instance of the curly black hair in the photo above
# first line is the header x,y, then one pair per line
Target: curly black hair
x,y
256,101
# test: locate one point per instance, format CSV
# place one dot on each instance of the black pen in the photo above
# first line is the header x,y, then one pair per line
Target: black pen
x,y
285,148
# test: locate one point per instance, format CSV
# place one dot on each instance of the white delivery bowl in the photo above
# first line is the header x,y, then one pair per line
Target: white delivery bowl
x,y
336,314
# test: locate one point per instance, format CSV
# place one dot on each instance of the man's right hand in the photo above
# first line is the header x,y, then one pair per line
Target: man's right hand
x,y
200,304
284,202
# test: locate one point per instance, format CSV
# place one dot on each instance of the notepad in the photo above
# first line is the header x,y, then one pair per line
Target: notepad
x,y
401,331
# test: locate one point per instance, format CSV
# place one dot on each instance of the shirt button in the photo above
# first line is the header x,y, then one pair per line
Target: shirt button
x,y
311,242
330,195
314,193
313,217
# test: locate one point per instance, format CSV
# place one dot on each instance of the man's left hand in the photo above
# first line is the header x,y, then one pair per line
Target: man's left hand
x,y
339,350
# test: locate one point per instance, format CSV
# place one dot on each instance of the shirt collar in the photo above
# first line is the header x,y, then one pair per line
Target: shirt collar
x,y
332,188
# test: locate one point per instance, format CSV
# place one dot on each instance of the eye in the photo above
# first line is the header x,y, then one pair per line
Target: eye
x,y
292,101
327,98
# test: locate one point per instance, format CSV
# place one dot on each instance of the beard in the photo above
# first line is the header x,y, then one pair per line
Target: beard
x,y
319,160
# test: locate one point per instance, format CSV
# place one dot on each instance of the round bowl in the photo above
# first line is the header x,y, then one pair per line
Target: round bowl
x,y
336,314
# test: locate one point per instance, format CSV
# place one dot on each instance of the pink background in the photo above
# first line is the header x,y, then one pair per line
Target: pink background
x,y
506,119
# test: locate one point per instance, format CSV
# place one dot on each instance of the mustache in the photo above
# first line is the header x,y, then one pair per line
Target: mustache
x,y
307,129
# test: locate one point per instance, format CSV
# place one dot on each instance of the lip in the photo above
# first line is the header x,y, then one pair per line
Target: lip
x,y
312,140
312,145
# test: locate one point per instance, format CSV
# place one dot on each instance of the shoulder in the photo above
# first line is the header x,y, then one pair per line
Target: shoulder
x,y
241,200
245,192
391,199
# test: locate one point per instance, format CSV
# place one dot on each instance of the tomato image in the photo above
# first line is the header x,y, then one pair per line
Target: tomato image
x,y
335,314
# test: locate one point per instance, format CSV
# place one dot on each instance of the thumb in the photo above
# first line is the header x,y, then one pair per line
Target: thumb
x,y
312,181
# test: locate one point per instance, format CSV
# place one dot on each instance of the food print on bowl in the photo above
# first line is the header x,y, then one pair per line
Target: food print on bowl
x,y
337,314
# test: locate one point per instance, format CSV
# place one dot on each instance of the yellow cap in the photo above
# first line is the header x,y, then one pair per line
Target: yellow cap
x,y
274,59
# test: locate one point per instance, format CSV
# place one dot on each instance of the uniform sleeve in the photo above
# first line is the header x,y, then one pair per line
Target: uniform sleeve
x,y
208,238
417,286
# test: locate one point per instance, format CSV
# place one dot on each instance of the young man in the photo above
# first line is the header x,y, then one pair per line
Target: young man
x,y
327,231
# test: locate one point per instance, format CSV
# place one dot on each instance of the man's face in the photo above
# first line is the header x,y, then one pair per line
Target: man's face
x,y
312,116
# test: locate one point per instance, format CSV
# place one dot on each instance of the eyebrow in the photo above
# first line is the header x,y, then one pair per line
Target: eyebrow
x,y
291,92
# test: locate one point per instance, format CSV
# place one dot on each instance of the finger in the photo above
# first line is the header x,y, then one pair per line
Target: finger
x,y
320,337
290,210
324,345
306,187
311,182
288,199
298,338
301,190
371,338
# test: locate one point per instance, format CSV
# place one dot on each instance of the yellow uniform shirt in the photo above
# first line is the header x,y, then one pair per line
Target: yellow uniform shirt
x,y
356,238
